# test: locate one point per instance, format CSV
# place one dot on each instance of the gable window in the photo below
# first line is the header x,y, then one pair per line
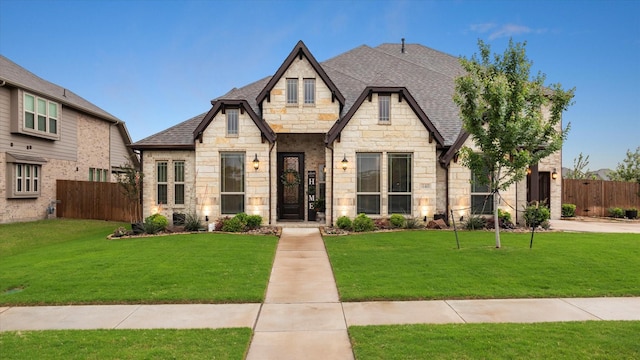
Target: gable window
x,y
232,183
40,115
368,183
232,122
481,198
399,183
384,111
309,91
292,91
178,182
161,173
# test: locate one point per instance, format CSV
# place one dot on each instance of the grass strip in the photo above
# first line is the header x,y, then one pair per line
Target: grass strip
x,y
420,265
88,269
126,344
563,340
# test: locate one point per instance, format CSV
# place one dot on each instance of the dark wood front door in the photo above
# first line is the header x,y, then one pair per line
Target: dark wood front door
x,y
544,188
291,186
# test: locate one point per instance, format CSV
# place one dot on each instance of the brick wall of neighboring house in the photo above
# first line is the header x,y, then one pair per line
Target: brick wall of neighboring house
x,y
406,134
300,118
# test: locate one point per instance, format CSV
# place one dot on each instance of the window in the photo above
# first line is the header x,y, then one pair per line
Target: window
x,y
232,122
384,113
292,91
27,180
399,183
98,174
309,91
232,183
40,115
161,171
368,183
178,181
481,199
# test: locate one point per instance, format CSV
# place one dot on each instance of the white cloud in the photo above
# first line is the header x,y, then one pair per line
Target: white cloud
x,y
505,30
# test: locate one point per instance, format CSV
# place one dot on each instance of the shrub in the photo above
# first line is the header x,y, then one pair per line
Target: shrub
x,y
382,224
119,232
568,210
220,223
616,212
344,223
234,224
156,222
192,222
412,223
254,221
397,220
242,217
363,223
536,215
475,222
504,216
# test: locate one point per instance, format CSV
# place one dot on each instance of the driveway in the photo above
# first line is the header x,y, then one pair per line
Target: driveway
x,y
596,226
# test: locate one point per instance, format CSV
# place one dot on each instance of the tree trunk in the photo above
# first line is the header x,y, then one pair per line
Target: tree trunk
x,y
496,221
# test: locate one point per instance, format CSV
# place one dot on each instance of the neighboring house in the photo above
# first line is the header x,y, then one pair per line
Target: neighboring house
x,y
48,133
374,130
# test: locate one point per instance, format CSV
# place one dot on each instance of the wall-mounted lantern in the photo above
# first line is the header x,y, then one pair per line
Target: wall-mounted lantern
x,y
554,174
256,163
344,162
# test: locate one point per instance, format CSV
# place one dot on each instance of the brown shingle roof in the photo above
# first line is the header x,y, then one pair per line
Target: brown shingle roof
x,y
427,74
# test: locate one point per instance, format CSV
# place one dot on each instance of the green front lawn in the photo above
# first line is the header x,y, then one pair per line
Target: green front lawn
x,y
71,262
126,344
415,265
565,340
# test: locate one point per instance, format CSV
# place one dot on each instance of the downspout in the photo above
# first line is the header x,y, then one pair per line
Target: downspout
x,y
331,200
273,144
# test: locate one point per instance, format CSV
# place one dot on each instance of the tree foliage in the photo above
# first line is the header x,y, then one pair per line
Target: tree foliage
x,y
580,170
515,121
629,168
130,180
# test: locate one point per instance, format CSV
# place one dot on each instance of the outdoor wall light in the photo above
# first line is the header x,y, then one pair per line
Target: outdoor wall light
x,y
528,171
256,162
554,174
344,162
206,218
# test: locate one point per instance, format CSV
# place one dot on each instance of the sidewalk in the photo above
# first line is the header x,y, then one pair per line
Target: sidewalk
x,y
302,316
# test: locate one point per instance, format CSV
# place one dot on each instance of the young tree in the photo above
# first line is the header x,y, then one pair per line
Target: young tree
x,y
130,179
629,168
503,109
580,170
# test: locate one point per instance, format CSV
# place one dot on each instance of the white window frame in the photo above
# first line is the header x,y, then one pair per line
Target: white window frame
x,y
233,122
292,91
309,85
223,191
162,182
390,186
384,108
360,193
26,180
50,119
178,181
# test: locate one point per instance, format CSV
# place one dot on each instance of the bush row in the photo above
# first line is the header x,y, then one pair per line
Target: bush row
x,y
239,223
362,223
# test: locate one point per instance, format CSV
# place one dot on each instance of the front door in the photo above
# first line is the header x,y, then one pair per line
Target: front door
x,y
291,186
544,188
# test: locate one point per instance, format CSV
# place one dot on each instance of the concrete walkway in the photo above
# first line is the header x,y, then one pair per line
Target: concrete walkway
x,y
596,226
302,317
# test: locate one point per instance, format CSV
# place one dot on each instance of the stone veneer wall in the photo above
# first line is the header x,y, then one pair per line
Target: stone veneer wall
x,y
149,195
207,165
300,117
404,134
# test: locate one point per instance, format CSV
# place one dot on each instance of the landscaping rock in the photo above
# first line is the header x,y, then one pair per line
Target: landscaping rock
x,y
437,224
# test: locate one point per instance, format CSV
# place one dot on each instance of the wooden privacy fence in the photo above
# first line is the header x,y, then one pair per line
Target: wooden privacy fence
x,y
594,197
94,200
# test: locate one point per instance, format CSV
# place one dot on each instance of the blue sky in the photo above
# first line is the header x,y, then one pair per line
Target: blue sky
x,y
154,64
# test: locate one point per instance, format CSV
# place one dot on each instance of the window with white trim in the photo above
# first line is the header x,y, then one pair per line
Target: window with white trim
x,y
384,108
292,91
232,183
368,183
98,175
399,183
27,179
161,182
178,182
309,91
232,122
481,197
40,115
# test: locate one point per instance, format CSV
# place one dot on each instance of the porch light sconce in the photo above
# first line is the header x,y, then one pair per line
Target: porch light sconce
x,y
344,162
206,218
554,174
528,171
256,163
